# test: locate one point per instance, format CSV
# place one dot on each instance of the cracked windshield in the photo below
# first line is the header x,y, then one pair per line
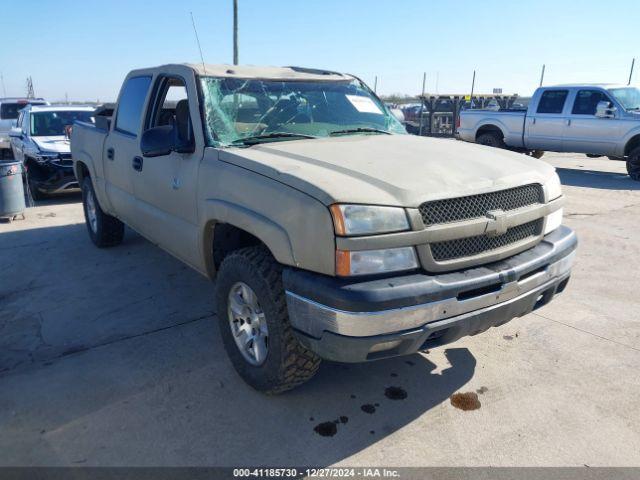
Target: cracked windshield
x,y
250,111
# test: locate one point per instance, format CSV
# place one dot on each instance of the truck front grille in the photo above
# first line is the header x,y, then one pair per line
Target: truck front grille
x,y
471,246
477,206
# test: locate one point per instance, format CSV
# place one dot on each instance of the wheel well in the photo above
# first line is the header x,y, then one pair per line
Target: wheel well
x,y
489,129
227,238
631,144
34,169
81,172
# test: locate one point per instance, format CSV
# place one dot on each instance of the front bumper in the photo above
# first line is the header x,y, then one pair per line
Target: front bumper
x,y
358,320
52,178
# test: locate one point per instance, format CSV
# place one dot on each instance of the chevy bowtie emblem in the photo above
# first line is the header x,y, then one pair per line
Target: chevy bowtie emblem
x,y
496,223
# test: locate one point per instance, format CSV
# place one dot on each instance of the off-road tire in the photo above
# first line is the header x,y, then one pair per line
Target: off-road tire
x,y
633,164
288,364
109,230
491,139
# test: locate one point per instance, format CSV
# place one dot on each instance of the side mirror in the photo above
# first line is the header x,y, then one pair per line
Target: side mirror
x,y
15,132
158,141
604,109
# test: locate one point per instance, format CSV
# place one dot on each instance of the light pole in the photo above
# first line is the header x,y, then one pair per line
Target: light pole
x,y
235,32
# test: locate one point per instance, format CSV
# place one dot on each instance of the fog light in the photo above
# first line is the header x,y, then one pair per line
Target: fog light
x,y
381,347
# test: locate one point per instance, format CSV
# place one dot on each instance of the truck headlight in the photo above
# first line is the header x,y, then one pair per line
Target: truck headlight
x,y
553,187
42,157
368,219
369,262
554,220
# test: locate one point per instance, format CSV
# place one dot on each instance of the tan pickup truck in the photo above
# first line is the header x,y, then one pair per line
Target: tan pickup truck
x,y
331,233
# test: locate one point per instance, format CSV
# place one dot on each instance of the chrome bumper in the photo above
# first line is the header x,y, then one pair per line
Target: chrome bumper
x,y
315,318
476,307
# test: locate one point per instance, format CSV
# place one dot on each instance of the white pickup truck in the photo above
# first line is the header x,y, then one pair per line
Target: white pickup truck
x,y
592,119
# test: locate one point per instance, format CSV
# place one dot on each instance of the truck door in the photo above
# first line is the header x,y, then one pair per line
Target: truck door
x,y
17,143
545,126
586,133
122,147
165,186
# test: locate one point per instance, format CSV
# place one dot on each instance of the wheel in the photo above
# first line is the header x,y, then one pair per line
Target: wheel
x,y
633,164
104,230
537,153
254,323
491,139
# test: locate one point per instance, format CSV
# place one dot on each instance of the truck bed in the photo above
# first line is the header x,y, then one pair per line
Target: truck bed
x,y
87,141
511,122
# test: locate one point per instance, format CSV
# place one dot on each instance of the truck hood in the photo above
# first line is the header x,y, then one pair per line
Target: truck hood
x,y
397,170
58,144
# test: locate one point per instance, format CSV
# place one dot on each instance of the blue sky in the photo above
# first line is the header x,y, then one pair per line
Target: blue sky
x,y
85,48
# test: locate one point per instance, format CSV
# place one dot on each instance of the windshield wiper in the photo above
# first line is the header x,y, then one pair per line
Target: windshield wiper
x,y
359,130
259,138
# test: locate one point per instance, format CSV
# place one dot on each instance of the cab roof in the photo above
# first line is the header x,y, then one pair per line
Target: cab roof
x,y
250,72
59,108
587,85
266,73
21,100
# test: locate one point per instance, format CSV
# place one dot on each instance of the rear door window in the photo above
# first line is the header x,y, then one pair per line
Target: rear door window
x,y
552,101
587,101
9,111
131,103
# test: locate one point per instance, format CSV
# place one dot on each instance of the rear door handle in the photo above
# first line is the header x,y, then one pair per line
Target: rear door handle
x,y
568,121
137,164
533,120
110,153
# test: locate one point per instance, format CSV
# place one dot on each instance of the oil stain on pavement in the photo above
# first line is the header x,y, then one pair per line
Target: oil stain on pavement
x,y
465,401
395,393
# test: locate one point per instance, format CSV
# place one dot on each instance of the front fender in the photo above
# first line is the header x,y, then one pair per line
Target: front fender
x,y
273,235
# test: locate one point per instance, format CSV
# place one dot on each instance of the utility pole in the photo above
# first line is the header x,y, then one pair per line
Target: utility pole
x,y
633,61
473,84
375,85
4,90
424,80
30,93
235,32
542,74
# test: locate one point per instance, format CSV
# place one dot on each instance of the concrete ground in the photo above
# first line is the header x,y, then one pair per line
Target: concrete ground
x,y
112,357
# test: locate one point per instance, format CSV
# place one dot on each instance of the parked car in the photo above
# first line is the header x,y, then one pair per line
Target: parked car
x,y
331,233
41,141
591,119
9,108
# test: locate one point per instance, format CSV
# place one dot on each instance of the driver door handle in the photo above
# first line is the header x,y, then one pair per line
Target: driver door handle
x,y
137,164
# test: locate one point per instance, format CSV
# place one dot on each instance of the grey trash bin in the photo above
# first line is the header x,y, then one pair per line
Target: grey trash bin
x,y
11,190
